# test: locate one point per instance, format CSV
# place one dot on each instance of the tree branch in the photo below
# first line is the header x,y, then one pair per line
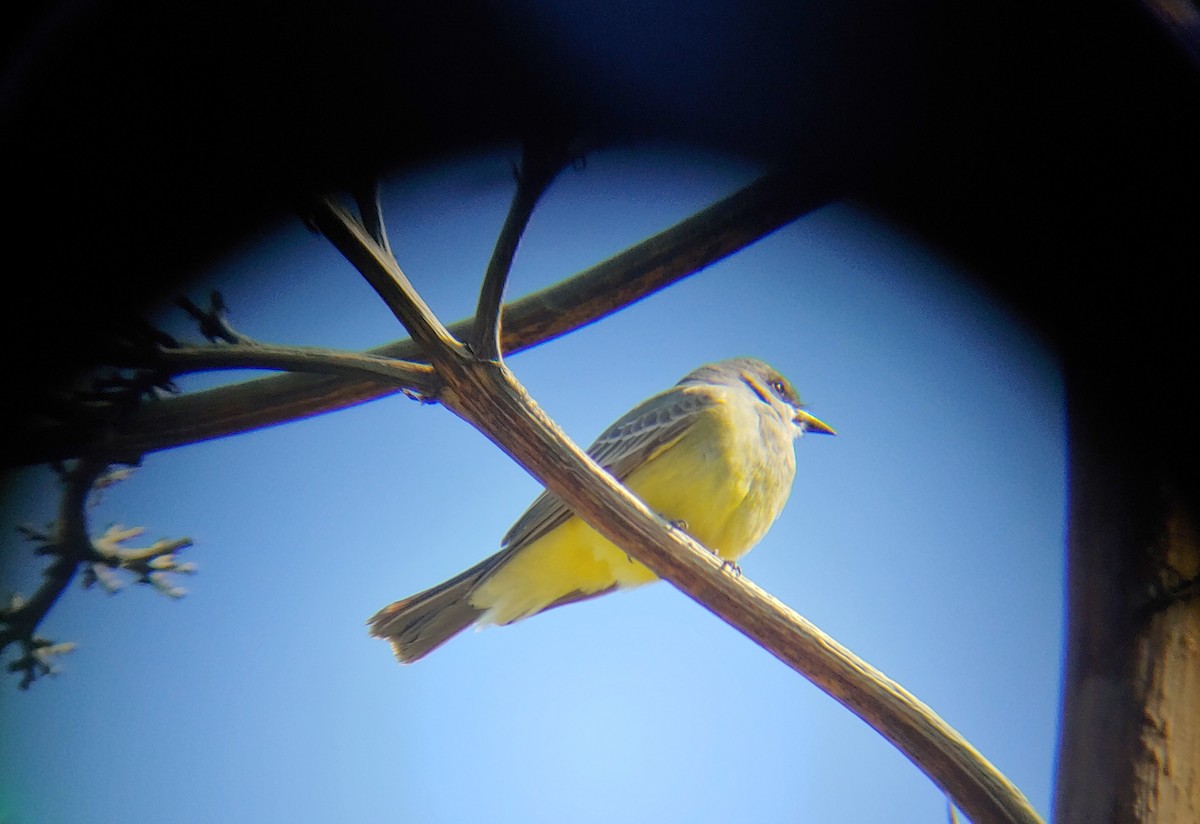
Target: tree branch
x,y
486,395
370,210
214,321
539,166
418,378
641,270
69,546
385,276
72,548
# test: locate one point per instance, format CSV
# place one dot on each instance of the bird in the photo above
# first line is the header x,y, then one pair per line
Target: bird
x,y
712,455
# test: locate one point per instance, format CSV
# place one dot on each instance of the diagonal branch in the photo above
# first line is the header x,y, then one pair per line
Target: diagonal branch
x,y
539,166
214,321
370,211
486,395
386,278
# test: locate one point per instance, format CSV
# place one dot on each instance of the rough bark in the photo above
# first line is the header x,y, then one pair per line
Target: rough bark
x,y
1130,742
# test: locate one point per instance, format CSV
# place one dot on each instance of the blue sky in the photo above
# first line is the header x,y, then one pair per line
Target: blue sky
x,y
927,537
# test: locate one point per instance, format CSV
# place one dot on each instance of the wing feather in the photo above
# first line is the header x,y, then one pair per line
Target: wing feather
x,y
649,428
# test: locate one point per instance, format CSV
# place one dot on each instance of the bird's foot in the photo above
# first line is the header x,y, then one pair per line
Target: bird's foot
x,y
731,567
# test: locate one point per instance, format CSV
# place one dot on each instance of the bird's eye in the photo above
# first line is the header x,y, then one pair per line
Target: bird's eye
x,y
779,388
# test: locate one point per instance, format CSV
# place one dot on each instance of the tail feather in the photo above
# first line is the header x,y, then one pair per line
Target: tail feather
x,y
423,622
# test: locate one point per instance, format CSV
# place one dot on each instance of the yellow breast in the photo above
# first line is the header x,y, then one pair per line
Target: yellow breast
x,y
721,482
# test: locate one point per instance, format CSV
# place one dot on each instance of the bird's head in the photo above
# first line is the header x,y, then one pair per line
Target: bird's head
x,y
773,389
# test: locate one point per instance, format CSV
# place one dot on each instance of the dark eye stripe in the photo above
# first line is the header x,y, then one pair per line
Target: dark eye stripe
x,y
754,389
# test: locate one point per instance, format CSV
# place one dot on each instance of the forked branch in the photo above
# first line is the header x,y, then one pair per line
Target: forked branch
x,y
71,549
687,247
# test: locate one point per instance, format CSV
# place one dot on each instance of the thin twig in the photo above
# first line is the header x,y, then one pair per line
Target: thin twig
x,y
539,166
370,210
70,547
214,321
385,276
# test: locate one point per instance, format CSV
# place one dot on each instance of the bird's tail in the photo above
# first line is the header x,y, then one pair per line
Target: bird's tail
x,y
423,622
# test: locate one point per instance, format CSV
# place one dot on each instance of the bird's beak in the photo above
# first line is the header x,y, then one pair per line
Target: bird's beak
x,y
812,424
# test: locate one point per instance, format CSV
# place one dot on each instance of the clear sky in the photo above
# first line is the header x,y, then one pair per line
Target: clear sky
x,y
927,537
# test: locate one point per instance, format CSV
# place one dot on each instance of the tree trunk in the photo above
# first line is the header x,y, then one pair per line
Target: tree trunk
x,y
1129,751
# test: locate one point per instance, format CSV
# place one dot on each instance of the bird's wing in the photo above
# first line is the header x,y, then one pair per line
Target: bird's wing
x,y
644,432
